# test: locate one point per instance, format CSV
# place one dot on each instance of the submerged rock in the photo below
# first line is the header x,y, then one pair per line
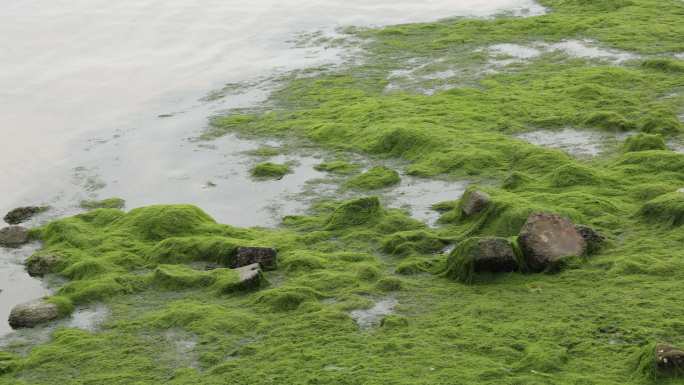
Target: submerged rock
x,y
13,236
40,264
22,214
31,314
264,256
546,239
669,359
474,202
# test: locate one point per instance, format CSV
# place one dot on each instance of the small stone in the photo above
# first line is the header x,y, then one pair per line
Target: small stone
x,y
474,202
250,276
31,314
669,359
593,239
14,236
546,239
22,214
264,256
40,264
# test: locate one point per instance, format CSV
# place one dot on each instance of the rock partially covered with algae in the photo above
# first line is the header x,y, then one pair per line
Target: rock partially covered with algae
x,y
34,313
264,256
13,236
546,239
474,201
22,214
481,255
669,359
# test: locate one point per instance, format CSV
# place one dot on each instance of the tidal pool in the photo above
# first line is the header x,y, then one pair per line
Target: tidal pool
x,y
579,143
367,318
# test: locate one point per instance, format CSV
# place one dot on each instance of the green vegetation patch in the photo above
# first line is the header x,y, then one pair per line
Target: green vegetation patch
x,y
375,178
268,170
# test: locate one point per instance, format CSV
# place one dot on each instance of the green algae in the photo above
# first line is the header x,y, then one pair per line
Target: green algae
x,y
109,203
337,167
582,325
645,142
268,170
375,178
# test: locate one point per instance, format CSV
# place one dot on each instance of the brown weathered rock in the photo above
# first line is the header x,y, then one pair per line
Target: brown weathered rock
x,y
22,214
474,202
250,276
494,255
13,236
264,256
31,314
669,360
40,264
546,239
593,239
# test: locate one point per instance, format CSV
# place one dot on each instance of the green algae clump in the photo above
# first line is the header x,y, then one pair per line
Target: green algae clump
x,y
362,211
110,203
375,178
268,170
667,209
645,142
337,167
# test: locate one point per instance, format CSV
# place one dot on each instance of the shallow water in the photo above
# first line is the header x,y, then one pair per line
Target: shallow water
x,y
367,318
579,143
99,99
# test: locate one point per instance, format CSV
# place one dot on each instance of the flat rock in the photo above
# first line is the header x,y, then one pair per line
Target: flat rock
x,y
669,359
264,256
474,202
545,239
40,264
13,236
494,255
250,276
31,314
22,214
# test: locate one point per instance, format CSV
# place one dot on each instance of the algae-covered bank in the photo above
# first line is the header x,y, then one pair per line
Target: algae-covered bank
x,y
552,268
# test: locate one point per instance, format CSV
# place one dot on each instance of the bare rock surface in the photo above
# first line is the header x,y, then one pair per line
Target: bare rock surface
x,y
250,276
13,236
669,359
474,202
264,256
546,239
31,314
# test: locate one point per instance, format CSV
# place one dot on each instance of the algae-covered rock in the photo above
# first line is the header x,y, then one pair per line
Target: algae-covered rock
x,y
34,313
264,256
181,277
22,214
645,142
669,360
355,212
13,236
158,222
481,255
249,277
375,178
40,264
219,250
413,241
268,170
474,201
593,238
546,239
110,203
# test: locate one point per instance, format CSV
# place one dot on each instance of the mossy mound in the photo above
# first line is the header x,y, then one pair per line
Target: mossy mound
x,y
375,178
154,223
413,242
216,249
356,212
268,170
178,277
645,142
287,298
571,175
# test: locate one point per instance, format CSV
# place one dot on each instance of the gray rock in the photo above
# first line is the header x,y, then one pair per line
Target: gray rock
x,y
474,202
593,239
31,314
14,236
546,239
40,264
494,255
264,256
22,214
669,359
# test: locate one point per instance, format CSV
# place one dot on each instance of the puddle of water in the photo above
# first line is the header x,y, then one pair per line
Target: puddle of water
x,y
579,143
679,55
16,286
88,318
418,195
367,318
